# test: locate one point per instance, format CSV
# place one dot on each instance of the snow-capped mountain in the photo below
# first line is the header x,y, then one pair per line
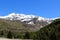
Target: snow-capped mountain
x,y
29,19
30,22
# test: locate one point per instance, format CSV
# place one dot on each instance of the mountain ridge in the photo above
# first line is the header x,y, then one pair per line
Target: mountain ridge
x,y
23,17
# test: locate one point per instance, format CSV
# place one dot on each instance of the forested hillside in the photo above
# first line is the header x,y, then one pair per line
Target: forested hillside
x,y
50,32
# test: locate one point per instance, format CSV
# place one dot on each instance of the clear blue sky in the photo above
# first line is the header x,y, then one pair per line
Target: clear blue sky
x,y
44,8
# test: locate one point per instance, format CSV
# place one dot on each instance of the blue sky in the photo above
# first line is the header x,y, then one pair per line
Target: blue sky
x,y
44,8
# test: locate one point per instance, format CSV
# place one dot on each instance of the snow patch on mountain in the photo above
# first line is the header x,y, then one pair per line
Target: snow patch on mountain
x,y
30,19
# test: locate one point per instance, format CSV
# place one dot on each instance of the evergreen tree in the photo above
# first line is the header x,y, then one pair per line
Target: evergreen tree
x,y
27,35
9,35
2,33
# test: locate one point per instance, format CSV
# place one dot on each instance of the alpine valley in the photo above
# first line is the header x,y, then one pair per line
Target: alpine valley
x,y
20,24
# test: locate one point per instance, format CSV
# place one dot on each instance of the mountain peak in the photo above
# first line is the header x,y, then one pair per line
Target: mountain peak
x,y
12,14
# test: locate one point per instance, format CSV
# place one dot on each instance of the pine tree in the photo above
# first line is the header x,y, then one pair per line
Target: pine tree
x,y
9,35
2,33
27,35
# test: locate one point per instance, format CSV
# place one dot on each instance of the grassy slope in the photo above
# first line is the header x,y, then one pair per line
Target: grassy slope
x,y
16,27
11,25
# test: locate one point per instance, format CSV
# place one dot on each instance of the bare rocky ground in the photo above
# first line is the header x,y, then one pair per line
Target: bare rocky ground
x,y
13,39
